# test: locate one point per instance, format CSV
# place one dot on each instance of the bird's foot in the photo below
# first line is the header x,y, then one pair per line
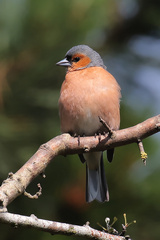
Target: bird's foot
x,y
75,135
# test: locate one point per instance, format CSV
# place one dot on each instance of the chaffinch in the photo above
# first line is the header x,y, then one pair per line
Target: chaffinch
x,y
88,92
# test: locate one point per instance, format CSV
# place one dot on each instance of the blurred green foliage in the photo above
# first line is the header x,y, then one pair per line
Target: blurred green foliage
x,y
34,35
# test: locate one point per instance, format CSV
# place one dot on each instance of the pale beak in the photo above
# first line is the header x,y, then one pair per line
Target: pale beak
x,y
64,63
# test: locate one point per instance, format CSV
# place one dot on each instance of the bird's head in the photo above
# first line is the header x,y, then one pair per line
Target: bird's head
x,y
80,57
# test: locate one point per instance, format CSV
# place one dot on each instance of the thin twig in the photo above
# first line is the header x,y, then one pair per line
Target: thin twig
x,y
56,227
36,195
143,154
109,130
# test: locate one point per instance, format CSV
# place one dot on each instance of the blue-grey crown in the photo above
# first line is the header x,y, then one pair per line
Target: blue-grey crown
x,y
96,59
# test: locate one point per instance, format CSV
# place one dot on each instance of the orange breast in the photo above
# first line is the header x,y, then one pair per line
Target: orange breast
x,y
85,95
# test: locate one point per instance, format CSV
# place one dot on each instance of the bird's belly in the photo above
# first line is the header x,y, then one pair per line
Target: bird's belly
x,y
78,117
89,124
81,123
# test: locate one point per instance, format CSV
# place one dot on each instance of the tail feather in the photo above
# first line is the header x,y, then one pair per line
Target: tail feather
x,y
96,185
110,154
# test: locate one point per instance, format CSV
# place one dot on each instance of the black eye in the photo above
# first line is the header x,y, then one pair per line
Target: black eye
x,y
76,59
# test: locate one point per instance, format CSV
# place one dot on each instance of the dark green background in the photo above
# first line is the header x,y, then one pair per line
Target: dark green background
x,y
34,35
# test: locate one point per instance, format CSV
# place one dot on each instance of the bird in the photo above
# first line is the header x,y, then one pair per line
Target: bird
x,y
88,92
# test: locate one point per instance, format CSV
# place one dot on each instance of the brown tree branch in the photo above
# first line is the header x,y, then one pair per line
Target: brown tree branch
x,y
64,144
56,227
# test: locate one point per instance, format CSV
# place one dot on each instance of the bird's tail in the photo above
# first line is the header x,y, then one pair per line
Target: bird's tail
x,y
96,185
